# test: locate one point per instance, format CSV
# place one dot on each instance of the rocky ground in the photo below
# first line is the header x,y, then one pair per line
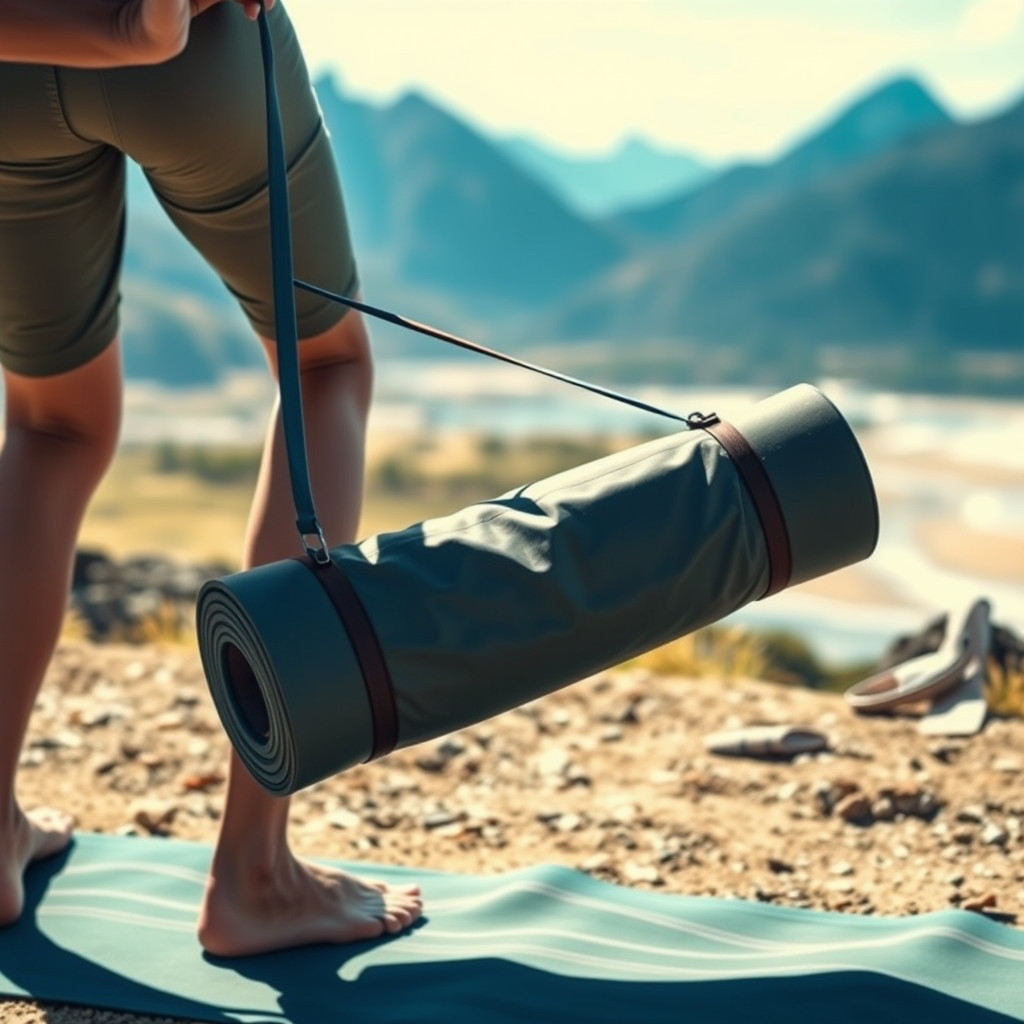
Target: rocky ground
x,y
610,776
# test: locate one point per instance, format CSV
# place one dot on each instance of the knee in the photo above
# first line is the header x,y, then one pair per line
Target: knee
x,y
73,418
83,443
347,343
337,362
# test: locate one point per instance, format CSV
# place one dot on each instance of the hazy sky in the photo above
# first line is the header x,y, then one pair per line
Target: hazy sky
x,y
724,78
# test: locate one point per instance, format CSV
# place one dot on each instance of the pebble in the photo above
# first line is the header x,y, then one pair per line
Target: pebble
x,y
963,835
438,819
554,761
842,885
973,814
854,807
993,835
634,872
568,823
201,781
883,810
155,817
986,901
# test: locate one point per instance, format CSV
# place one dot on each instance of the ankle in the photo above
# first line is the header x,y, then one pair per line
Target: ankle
x,y
250,856
12,819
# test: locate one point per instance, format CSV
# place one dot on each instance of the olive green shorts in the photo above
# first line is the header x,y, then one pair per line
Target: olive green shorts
x,y
197,127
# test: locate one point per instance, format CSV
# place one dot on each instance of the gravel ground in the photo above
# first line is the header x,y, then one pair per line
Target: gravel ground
x,y
610,776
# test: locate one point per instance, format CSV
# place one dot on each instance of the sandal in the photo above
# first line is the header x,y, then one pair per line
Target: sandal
x,y
929,675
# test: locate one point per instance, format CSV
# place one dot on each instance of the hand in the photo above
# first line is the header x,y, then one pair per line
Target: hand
x,y
157,30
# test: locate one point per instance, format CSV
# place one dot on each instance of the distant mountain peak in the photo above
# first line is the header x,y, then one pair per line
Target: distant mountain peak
x,y
901,100
635,170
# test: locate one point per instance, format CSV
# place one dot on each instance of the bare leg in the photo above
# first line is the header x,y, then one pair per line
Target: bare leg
x,y
259,895
60,435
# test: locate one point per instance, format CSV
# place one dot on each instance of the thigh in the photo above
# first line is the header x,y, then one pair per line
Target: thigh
x,y
61,231
206,158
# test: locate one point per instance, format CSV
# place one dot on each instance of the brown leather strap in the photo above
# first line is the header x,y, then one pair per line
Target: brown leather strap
x,y
766,502
379,689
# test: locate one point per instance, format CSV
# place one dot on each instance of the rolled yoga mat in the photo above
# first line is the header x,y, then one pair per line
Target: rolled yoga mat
x,y
407,636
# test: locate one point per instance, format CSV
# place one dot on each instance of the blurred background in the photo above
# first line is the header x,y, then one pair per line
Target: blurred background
x,y
699,201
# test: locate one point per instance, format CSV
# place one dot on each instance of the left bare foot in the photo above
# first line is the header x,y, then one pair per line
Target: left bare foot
x,y
296,904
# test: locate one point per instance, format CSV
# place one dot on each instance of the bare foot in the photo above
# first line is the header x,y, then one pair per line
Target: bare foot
x,y
33,836
299,904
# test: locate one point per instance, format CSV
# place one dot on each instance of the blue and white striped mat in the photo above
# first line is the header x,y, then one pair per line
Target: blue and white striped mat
x,y
111,924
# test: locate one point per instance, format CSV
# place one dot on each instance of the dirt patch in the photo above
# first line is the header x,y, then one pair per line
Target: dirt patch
x,y
609,776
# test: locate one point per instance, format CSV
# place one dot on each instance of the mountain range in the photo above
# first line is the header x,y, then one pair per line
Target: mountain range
x,y
884,246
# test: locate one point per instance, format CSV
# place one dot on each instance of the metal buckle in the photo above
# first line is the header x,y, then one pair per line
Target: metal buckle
x,y
317,550
700,420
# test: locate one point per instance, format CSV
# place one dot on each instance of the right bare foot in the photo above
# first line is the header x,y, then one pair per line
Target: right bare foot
x,y
296,904
32,836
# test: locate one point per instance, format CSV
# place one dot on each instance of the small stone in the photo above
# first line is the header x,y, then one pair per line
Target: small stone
x,y
986,901
854,807
883,809
553,762
623,814
451,746
909,799
634,872
946,752
1010,765
452,831
964,835
779,867
432,762
438,819
973,814
343,818
155,818
169,721
993,835
63,738
788,790
841,885
842,867
201,781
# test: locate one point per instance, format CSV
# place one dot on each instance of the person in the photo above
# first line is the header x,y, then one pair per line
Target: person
x,y
177,87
